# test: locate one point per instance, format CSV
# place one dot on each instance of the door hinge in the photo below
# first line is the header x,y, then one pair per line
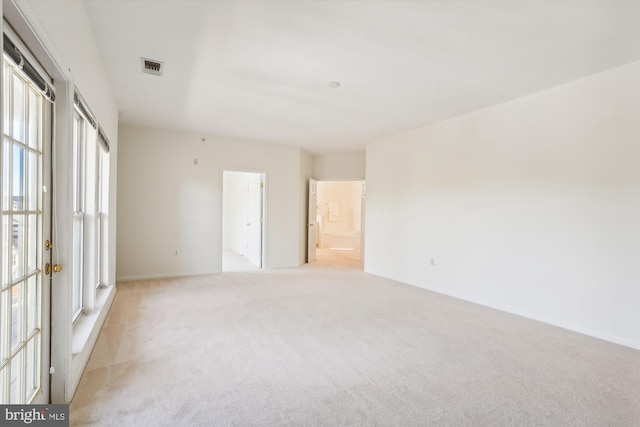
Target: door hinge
x,y
262,185
52,370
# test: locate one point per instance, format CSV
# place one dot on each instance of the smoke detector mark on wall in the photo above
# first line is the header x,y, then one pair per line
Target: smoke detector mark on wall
x,y
151,66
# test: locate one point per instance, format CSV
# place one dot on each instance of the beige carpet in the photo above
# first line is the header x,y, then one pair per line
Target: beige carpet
x,y
325,347
349,260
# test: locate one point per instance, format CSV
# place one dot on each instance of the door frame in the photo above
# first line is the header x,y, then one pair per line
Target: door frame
x,y
312,223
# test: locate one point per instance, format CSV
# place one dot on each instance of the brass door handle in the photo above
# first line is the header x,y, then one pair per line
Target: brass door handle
x,y
56,268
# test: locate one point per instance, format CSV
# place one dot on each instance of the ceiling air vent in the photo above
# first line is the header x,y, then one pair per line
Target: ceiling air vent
x,y
151,66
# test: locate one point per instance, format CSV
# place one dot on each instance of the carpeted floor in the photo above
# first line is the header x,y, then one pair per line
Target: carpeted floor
x,y
349,260
232,261
327,347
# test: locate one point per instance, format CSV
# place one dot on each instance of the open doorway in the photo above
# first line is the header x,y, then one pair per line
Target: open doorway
x,y
336,212
242,221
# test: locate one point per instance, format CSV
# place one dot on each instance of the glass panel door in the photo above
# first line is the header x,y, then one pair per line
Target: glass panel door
x,y
24,339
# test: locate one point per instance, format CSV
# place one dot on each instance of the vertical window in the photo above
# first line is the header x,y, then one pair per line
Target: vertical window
x,y
78,166
102,215
90,216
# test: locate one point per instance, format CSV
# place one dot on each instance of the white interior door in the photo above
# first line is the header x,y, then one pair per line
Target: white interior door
x,y
255,196
26,221
312,224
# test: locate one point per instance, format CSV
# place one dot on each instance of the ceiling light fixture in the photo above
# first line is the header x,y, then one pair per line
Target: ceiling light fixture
x,y
334,84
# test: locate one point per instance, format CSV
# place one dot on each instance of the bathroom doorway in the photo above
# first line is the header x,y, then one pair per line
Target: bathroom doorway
x,y
339,224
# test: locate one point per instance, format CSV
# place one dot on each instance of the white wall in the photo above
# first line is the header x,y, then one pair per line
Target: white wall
x,y
166,203
339,167
532,206
67,24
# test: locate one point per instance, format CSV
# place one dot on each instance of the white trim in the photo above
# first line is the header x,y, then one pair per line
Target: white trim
x,y
87,340
84,328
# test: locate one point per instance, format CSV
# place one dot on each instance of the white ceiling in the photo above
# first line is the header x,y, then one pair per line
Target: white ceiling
x,y
260,69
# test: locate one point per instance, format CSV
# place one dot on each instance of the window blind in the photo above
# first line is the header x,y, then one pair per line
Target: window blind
x,y
82,107
12,51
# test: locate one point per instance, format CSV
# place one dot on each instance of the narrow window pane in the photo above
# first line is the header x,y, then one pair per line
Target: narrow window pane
x,y
33,306
17,311
32,238
104,251
18,110
19,228
31,368
77,265
34,182
34,120
98,246
5,102
16,371
3,381
19,177
76,165
6,175
7,254
5,320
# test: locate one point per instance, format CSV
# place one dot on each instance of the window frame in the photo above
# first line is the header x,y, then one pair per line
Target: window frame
x,y
90,194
